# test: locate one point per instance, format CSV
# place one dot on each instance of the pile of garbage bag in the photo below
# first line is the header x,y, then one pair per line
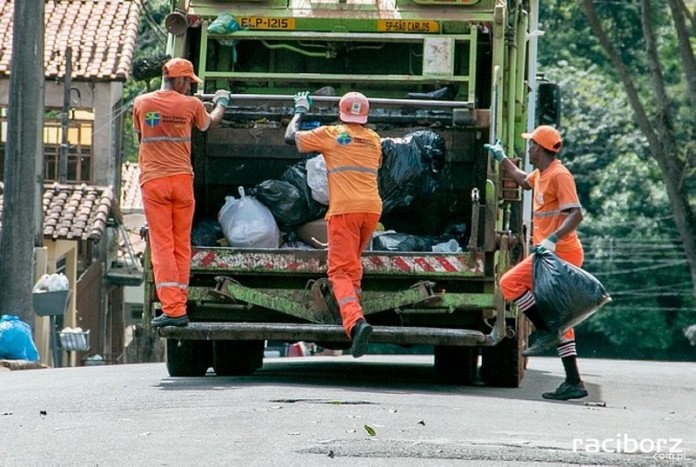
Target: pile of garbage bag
x,y
410,169
410,166
290,199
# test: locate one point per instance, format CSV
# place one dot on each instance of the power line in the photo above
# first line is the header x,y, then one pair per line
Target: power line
x,y
641,269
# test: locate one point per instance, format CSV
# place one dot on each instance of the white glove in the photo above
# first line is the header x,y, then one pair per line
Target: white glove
x,y
496,150
222,97
549,243
303,102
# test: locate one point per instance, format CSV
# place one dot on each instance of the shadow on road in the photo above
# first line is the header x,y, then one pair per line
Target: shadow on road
x,y
394,376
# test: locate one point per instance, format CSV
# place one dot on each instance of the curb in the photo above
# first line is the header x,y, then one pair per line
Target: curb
x,y
9,365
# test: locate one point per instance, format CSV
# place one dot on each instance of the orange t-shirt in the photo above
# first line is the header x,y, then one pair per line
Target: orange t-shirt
x,y
554,193
353,157
164,119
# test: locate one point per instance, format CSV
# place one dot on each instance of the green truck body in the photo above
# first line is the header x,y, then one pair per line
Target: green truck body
x,y
398,53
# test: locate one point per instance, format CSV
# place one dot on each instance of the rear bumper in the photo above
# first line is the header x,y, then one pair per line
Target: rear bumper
x,y
333,333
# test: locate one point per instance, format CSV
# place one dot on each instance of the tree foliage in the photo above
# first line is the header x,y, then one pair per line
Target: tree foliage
x,y
627,140
150,47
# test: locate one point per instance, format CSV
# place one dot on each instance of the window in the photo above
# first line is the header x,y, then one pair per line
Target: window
x,y
80,144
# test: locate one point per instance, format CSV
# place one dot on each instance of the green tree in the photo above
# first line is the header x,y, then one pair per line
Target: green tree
x,y
152,41
668,138
633,241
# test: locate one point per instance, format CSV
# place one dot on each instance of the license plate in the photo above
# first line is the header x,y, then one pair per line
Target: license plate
x,y
402,25
262,22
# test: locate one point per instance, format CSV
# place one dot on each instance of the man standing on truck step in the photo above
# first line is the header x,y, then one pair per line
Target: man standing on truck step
x,y
353,155
556,212
163,121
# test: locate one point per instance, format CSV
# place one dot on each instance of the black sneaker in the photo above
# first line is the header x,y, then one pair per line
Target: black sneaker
x,y
567,391
543,341
361,335
165,320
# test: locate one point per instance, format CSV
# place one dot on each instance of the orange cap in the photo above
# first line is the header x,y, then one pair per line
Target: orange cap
x,y
547,137
178,67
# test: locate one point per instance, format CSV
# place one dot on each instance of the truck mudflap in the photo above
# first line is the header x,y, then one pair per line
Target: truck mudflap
x,y
333,333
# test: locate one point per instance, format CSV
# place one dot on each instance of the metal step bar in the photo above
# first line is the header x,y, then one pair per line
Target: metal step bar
x,y
332,333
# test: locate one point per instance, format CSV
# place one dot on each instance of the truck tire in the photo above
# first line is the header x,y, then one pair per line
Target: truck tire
x,y
188,357
237,358
456,364
503,365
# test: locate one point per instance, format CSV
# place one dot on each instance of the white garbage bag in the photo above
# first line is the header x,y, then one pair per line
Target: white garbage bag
x,y
317,179
247,223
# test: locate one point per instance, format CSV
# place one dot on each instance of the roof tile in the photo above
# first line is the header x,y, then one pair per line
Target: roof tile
x,y
74,211
95,29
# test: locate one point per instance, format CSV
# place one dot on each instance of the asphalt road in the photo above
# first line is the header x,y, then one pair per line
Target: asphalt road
x,y
319,411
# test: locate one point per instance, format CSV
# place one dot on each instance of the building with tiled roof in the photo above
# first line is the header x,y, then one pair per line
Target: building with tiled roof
x,y
102,34
74,212
82,225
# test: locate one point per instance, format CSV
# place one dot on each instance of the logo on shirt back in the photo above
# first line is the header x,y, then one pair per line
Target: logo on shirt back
x,y
152,118
343,138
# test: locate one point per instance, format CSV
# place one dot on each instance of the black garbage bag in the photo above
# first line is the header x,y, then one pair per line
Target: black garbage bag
x,y
206,232
290,198
285,202
394,241
565,295
410,166
297,176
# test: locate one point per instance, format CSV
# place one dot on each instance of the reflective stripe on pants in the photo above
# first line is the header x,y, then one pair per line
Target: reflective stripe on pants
x,y
348,236
169,206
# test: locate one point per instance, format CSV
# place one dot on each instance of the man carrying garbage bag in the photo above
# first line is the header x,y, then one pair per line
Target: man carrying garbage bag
x,y
556,214
353,155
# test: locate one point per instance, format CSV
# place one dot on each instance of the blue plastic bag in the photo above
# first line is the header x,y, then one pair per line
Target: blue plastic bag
x,y
16,342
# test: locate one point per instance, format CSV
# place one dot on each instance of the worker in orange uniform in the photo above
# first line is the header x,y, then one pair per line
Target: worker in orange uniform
x,y
556,214
163,121
353,156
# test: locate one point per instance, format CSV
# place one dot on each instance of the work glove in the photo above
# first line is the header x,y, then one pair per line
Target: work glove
x,y
547,244
303,102
222,97
496,150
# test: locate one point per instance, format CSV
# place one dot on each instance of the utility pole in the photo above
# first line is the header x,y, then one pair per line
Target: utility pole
x,y
22,218
64,118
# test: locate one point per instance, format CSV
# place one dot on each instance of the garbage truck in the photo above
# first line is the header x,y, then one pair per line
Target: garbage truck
x,y
443,77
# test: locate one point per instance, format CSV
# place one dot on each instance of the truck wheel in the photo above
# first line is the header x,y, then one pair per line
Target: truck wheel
x,y
503,365
188,357
455,364
237,358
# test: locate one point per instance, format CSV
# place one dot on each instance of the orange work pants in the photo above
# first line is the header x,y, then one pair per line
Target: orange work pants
x,y
169,206
518,280
348,235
